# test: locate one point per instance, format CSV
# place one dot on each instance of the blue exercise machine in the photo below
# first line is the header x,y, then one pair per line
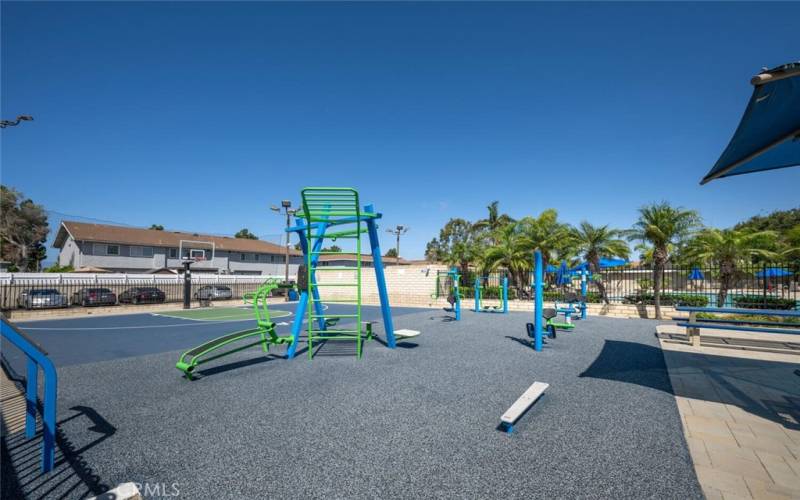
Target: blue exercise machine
x,y
479,307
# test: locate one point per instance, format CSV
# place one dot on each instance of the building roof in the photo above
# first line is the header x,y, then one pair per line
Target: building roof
x,y
106,233
364,258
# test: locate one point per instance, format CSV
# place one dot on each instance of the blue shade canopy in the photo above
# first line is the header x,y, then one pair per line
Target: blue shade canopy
x,y
550,268
768,137
605,263
696,274
562,276
773,272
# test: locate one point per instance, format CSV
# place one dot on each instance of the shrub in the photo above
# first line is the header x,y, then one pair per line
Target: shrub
x,y
667,299
762,302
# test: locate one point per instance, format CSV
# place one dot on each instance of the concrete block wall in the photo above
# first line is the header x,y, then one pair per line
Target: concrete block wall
x,y
415,286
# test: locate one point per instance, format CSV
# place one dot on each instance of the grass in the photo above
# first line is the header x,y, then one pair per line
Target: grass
x,y
220,314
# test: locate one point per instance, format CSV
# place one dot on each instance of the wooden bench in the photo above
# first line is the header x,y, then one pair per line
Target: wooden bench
x,y
694,325
522,404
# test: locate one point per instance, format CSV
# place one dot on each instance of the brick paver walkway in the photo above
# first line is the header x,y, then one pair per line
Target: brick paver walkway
x,y
740,412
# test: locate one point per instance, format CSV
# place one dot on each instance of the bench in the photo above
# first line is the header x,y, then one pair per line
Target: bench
x,y
694,325
522,404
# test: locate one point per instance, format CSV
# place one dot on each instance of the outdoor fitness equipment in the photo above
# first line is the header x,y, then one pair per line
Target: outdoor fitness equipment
x,y
265,331
479,307
322,209
453,294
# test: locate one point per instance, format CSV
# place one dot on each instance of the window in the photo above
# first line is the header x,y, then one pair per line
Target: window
x,y
244,256
195,253
141,251
256,256
272,258
100,249
173,253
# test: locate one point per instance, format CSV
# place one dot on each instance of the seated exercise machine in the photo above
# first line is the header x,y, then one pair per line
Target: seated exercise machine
x,y
479,307
264,335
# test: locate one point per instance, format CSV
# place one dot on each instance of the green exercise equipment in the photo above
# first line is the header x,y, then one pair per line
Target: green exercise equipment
x,y
265,332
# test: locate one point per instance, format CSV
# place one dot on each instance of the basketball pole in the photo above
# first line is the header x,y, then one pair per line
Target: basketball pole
x,y
187,285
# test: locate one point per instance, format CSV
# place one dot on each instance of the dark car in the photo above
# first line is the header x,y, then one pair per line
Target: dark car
x,y
142,295
213,292
41,299
94,297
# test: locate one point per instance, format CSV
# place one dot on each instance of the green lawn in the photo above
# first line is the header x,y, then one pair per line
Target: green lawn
x,y
220,314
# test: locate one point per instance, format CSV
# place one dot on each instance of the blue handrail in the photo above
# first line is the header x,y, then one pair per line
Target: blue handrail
x,y
37,357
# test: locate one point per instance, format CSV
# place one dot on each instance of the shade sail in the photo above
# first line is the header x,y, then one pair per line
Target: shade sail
x,y
605,263
562,275
773,272
768,136
696,274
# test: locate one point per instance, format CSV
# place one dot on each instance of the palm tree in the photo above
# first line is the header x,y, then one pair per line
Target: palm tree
x,y
510,253
545,233
594,242
730,249
493,222
662,225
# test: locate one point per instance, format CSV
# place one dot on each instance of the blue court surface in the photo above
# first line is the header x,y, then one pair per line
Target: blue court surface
x,y
418,421
101,338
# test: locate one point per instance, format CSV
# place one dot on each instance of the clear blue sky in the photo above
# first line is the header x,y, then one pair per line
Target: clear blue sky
x,y
200,115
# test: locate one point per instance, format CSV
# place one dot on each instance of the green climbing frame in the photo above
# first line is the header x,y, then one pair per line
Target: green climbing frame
x,y
264,331
322,208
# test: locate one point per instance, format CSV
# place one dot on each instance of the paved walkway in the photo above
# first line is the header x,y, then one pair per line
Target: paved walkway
x,y
741,417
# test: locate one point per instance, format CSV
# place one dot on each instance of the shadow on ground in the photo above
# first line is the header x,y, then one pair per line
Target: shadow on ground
x,y
767,389
71,477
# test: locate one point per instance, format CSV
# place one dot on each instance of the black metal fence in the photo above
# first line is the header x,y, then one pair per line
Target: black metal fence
x,y
767,286
54,292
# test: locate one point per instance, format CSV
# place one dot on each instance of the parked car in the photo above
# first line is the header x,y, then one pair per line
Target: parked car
x,y
142,295
42,298
94,297
213,292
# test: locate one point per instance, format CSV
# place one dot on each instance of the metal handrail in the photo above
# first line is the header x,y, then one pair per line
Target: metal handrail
x,y
37,357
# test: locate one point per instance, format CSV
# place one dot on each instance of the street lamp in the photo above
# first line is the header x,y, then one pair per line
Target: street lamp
x,y
287,208
398,231
14,123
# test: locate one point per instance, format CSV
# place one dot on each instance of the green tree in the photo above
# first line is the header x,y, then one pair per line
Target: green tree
x,y
156,227
594,242
456,245
546,233
245,234
332,248
663,227
511,253
23,230
730,249
392,252
780,221
493,222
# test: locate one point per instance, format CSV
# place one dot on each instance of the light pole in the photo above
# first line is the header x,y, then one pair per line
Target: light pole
x,y
287,208
14,123
398,231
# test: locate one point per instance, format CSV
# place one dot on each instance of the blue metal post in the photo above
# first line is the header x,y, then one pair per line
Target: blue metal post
x,y
537,313
505,294
302,303
49,419
374,243
458,296
583,293
31,398
477,291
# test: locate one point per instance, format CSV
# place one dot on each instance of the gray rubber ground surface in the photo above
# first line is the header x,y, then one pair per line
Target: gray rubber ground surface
x,y
415,422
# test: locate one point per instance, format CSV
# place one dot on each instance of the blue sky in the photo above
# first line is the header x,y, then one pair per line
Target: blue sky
x,y
198,116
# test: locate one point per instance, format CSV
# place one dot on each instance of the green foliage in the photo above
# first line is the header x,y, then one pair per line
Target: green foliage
x,y
245,234
55,268
156,227
763,302
23,230
667,299
392,252
780,221
332,248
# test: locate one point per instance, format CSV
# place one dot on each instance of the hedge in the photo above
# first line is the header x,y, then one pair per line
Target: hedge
x,y
487,292
667,299
762,302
